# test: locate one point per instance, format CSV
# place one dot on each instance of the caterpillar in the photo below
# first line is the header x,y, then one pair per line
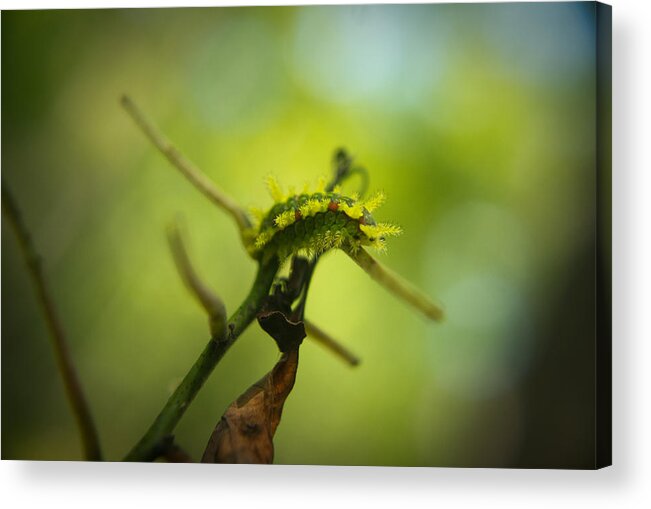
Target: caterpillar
x,y
310,223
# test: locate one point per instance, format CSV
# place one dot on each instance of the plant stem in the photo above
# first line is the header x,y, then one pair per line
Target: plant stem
x,y
179,401
396,285
80,408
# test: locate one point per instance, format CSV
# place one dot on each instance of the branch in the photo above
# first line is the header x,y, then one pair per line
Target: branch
x,y
189,170
179,401
396,285
80,408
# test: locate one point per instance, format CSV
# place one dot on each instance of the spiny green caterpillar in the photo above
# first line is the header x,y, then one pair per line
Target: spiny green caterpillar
x,y
310,223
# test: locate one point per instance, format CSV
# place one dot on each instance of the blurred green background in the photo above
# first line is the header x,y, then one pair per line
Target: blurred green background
x,y
478,121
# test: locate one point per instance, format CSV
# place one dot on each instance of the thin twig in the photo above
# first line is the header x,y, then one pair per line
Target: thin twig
x,y
330,343
396,285
189,170
210,302
80,408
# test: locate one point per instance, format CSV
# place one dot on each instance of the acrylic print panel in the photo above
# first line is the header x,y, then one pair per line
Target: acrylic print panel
x,y
481,337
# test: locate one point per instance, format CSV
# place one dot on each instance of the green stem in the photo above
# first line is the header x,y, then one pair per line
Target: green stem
x,y
147,448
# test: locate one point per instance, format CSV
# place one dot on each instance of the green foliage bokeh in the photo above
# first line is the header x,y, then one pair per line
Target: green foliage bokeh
x,y
478,122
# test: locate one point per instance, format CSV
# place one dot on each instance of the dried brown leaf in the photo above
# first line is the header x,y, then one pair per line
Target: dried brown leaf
x,y
245,432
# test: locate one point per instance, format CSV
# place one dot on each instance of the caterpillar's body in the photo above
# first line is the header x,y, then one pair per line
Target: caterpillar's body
x,y
311,223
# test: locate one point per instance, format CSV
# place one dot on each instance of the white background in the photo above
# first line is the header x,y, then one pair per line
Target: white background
x,y
626,484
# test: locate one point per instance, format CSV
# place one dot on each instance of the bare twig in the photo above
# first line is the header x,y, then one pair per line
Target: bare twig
x,y
396,285
330,343
80,408
189,170
211,303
